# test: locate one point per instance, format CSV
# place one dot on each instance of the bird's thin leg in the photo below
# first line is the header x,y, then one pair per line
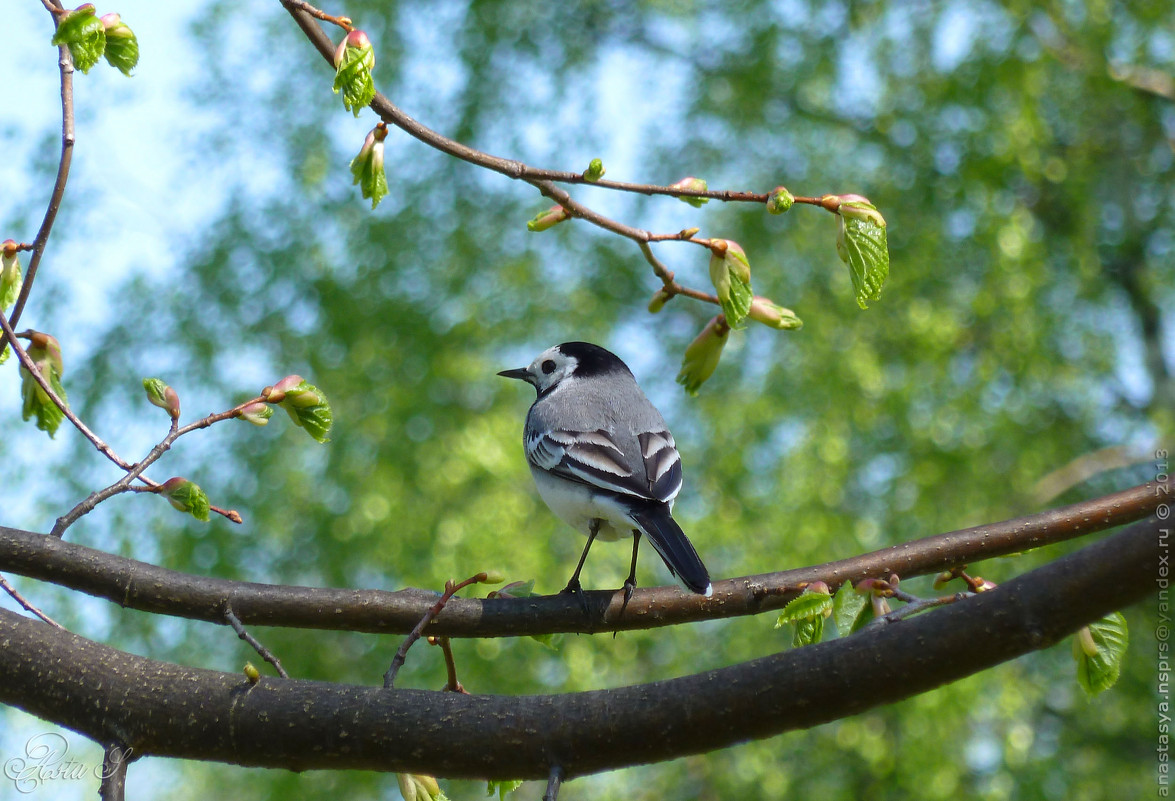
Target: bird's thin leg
x,y
630,582
573,585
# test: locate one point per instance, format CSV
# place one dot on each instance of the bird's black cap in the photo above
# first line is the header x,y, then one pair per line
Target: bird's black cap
x,y
593,360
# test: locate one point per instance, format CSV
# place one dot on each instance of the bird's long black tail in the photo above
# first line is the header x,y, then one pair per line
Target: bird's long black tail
x,y
674,547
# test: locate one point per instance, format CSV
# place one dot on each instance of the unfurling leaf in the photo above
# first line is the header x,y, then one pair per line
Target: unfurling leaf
x,y
45,353
694,185
257,413
354,61
84,35
548,219
1099,649
309,409
417,787
779,201
768,313
252,673
847,607
163,396
811,603
186,496
367,168
502,788
594,172
730,272
658,301
808,631
702,355
122,46
862,244
11,278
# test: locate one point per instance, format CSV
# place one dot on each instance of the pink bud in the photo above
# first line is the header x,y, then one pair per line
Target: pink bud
x,y
356,40
277,393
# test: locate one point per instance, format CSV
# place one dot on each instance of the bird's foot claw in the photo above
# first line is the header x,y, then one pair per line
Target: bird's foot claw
x,y
629,588
573,587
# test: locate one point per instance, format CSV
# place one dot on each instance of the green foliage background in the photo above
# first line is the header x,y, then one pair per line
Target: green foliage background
x,y
1027,183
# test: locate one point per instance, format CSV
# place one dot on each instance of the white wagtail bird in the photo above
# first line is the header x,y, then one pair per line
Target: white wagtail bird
x,y
603,459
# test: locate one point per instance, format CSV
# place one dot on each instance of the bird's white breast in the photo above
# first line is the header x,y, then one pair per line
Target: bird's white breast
x,y
577,505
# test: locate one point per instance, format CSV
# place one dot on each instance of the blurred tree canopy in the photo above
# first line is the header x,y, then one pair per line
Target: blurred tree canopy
x,y
1023,157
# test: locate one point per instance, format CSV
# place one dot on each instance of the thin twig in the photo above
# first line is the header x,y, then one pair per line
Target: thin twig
x,y
114,765
553,781
916,605
262,651
414,635
446,647
342,22
124,484
24,602
542,179
65,63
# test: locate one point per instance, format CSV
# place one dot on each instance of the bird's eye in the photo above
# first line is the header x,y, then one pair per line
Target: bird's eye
x,y
548,367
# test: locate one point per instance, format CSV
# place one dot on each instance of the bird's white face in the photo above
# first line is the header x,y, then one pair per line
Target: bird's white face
x,y
551,367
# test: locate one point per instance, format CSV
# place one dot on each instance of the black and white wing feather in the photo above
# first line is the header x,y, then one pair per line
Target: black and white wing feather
x,y
647,467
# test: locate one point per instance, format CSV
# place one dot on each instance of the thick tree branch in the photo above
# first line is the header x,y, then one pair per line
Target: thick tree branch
x,y
149,588
162,709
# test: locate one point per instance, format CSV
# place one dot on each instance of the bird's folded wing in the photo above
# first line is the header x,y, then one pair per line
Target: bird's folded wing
x,y
650,468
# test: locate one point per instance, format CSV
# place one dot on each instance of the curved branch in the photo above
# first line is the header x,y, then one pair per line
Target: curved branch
x,y
162,709
155,589
511,168
65,64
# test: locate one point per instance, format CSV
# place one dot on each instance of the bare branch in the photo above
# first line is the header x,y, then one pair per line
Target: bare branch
x,y
65,64
169,710
150,588
114,765
26,604
261,650
414,635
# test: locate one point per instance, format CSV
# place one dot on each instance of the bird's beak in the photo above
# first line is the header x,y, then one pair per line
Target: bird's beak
x,y
520,373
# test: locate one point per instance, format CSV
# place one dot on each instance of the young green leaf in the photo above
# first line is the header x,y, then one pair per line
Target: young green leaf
x,y
84,35
730,272
45,353
122,46
702,355
862,244
502,788
309,409
186,496
806,606
847,606
367,168
354,61
808,631
1099,649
